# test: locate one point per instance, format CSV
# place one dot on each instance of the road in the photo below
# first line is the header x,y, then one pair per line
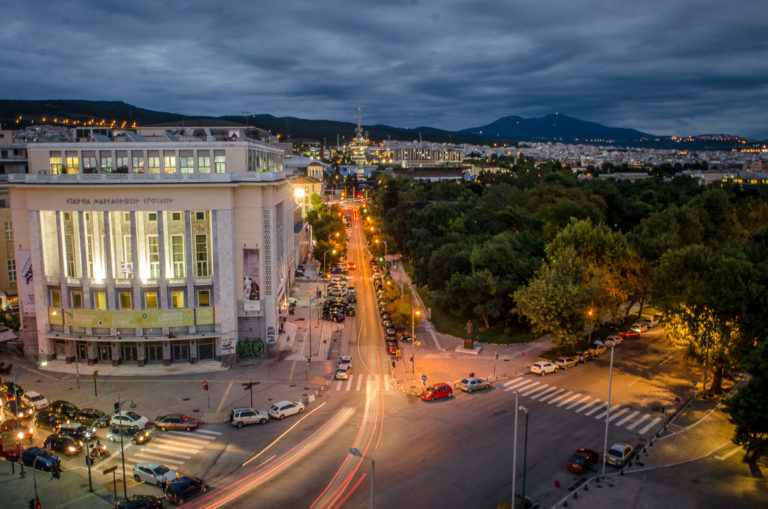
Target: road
x,y
449,453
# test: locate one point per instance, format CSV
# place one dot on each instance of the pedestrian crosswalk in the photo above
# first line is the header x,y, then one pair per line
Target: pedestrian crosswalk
x,y
171,448
358,382
583,404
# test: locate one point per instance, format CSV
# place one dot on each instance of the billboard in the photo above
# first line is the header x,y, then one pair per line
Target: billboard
x,y
251,292
127,319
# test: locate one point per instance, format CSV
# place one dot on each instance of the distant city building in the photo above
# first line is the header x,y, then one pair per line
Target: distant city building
x,y
164,245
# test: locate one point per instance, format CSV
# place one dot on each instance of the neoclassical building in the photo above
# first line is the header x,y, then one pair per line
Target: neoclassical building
x,y
156,246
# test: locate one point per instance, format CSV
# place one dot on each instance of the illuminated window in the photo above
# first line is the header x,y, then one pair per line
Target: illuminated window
x,y
169,162
153,252
177,299
220,160
186,161
201,256
153,161
56,298
203,298
69,254
72,162
56,163
106,162
121,158
125,300
77,299
177,255
8,230
203,162
99,300
151,300
11,271
138,161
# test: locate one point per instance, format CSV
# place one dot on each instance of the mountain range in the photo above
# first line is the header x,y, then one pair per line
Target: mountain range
x,y
555,127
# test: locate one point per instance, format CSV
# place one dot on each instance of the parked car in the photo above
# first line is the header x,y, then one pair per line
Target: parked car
x,y
64,408
583,355
140,502
472,384
9,450
135,435
130,419
566,361
37,457
176,421
10,390
639,327
64,444
180,490
35,400
350,310
345,360
613,340
619,454
92,417
283,409
392,347
651,321
16,409
597,350
543,367
342,372
436,391
581,460
240,417
154,473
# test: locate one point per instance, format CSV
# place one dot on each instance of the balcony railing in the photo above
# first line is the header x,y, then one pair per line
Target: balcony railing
x,y
45,177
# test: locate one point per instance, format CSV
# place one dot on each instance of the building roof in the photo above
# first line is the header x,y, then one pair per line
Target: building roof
x,y
301,179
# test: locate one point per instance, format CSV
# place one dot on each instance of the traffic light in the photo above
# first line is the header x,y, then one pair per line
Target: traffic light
x,y
37,503
117,408
205,385
31,503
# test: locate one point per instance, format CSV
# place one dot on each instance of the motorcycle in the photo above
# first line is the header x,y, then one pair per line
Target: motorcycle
x,y
99,452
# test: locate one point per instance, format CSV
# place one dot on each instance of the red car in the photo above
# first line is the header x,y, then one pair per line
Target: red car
x,y
581,460
436,391
392,347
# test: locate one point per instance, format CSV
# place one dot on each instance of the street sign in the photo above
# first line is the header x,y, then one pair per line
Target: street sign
x,y
248,385
109,470
522,354
557,484
423,378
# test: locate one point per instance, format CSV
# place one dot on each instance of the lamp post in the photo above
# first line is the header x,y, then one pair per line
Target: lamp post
x,y
415,312
310,326
608,409
325,270
514,453
122,450
356,452
525,455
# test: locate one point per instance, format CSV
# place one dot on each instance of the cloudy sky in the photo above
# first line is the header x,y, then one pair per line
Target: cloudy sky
x,y
661,66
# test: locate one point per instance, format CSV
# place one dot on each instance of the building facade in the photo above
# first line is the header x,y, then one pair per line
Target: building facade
x,y
163,248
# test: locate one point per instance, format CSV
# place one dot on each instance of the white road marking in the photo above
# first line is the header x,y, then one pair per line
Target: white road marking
x,y
386,383
359,381
586,405
635,381
531,388
637,422
507,384
519,386
545,398
171,448
207,431
560,397
180,443
187,434
650,425
612,411
627,418
725,456
543,390
349,384
578,401
596,409
617,414
567,400
155,458
338,385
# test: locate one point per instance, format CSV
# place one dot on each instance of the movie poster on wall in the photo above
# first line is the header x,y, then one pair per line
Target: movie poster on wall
x,y
26,282
251,291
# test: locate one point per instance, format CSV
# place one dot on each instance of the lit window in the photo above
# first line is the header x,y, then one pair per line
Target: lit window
x,y
8,230
138,161
220,160
100,300
151,299
204,298
11,271
186,162
169,162
125,300
56,163
203,162
177,300
56,298
177,255
77,299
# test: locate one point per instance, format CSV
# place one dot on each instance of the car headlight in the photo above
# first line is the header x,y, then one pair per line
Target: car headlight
x,y
72,448
21,434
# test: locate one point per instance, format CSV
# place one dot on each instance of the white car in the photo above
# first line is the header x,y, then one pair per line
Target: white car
x,y
639,327
619,454
566,361
154,473
543,367
473,384
613,340
35,400
346,360
342,372
283,409
130,420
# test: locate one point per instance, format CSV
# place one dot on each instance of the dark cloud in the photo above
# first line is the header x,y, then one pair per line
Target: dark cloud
x,y
683,67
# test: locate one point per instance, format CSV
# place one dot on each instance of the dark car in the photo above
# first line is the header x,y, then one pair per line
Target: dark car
x,y
351,311
78,431
64,444
92,417
351,298
583,355
10,390
48,419
12,431
37,457
64,408
183,488
140,502
135,435
581,460
176,421
15,409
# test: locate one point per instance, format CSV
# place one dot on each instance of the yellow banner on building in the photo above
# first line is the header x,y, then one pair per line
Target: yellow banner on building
x,y
204,316
128,319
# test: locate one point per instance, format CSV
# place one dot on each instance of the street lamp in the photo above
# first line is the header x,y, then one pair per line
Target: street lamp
x,y
310,325
122,450
514,452
608,409
415,312
356,452
525,456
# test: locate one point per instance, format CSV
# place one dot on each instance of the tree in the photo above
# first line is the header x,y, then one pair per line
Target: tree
x,y
748,408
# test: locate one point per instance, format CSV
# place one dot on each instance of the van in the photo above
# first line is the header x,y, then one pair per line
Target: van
x,y
240,417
